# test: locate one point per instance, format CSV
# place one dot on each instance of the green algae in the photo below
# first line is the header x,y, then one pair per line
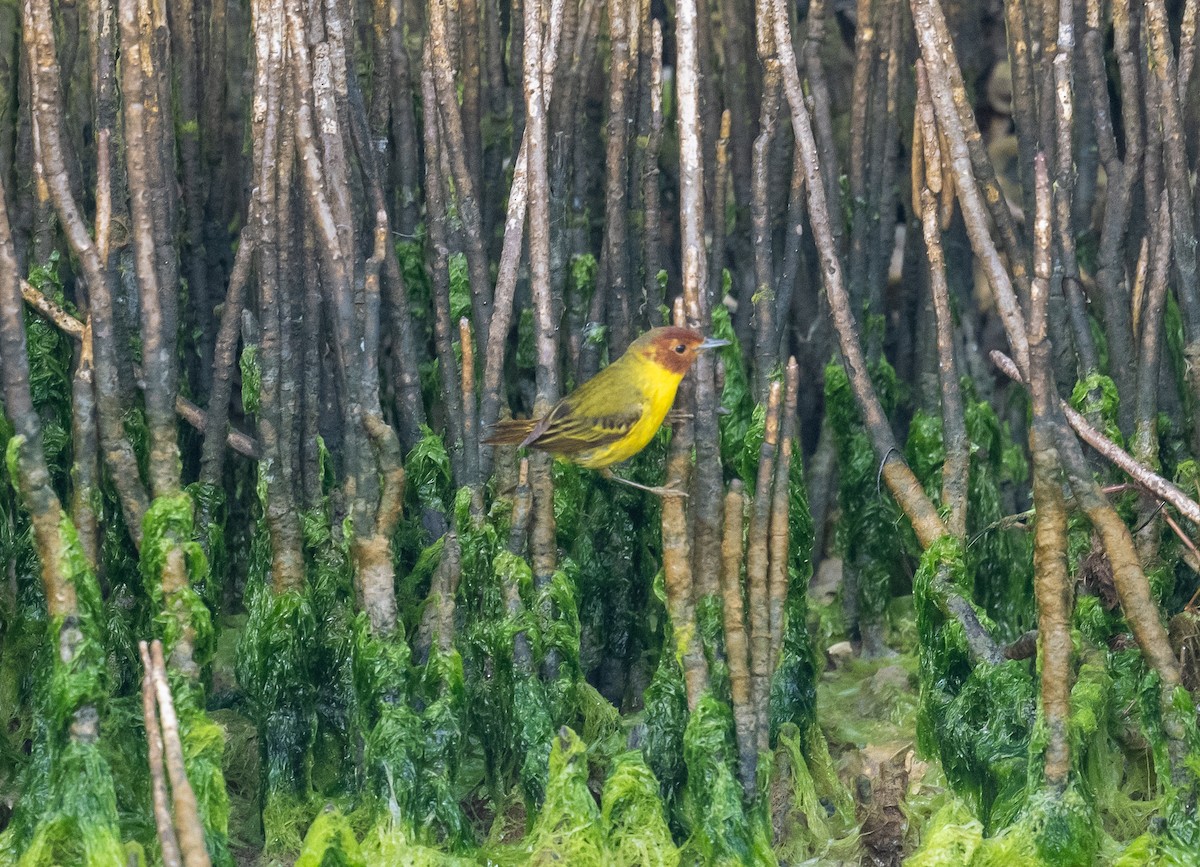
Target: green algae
x,y
999,562
950,839
568,829
330,842
975,718
632,815
872,536
720,831
793,683
67,812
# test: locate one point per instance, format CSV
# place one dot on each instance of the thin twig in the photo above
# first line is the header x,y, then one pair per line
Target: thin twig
x,y
187,815
167,840
1148,479
757,564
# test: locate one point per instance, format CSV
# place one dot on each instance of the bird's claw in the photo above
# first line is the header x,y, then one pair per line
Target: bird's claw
x,y
668,492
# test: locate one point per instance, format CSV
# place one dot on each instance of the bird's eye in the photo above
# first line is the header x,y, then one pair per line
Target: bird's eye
x,y
680,348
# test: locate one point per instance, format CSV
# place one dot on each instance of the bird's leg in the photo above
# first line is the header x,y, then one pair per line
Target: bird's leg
x,y
661,492
677,415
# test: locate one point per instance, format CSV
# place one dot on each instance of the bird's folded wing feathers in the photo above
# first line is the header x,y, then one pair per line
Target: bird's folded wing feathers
x,y
586,421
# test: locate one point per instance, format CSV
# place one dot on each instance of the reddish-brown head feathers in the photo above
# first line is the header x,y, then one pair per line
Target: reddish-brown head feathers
x,y
671,347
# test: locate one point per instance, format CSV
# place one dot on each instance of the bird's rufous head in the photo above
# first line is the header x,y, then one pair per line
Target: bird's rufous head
x,y
673,348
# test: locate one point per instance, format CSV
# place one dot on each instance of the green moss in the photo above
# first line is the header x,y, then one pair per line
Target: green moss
x,y
568,829
976,719
803,827
1096,396
1053,829
793,684
632,814
330,842
80,826
737,402
666,720
427,472
169,524
950,839
720,831
389,843
873,537
251,379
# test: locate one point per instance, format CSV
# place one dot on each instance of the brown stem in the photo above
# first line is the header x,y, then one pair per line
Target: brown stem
x,y
466,185
438,249
757,561
167,840
957,467
1151,481
470,427
651,181
1052,583
85,469
677,569
187,816
224,353
118,451
544,548
765,344
146,205
720,196
780,532
736,647
708,483
1145,434
822,112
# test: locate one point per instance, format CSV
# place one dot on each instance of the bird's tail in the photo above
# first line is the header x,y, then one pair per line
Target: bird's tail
x,y
509,432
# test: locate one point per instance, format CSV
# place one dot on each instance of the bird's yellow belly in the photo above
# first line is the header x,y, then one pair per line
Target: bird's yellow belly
x,y
658,403
623,449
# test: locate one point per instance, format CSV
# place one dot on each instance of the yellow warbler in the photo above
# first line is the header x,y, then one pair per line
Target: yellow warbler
x,y
612,416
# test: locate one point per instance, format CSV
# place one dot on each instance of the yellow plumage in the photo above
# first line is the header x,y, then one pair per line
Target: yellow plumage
x,y
612,416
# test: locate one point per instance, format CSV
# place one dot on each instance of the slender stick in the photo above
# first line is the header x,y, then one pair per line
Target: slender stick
x,y
187,816
1148,479
167,840
158,341
38,34
757,562
545,553
736,647
651,181
470,426
708,482
435,203
1052,583
957,466
780,533
454,146
224,353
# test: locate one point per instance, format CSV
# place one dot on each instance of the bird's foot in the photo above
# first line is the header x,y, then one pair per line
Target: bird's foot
x,y
657,491
676,416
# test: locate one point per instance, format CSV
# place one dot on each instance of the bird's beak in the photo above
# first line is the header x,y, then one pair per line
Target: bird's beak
x,y
712,343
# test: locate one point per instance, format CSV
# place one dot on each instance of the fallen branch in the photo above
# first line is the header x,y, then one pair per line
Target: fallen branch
x,y
240,442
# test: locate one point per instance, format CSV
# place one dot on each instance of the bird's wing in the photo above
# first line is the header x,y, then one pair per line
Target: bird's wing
x,y
599,412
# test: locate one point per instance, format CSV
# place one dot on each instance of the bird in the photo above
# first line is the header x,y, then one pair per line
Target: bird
x,y
615,414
